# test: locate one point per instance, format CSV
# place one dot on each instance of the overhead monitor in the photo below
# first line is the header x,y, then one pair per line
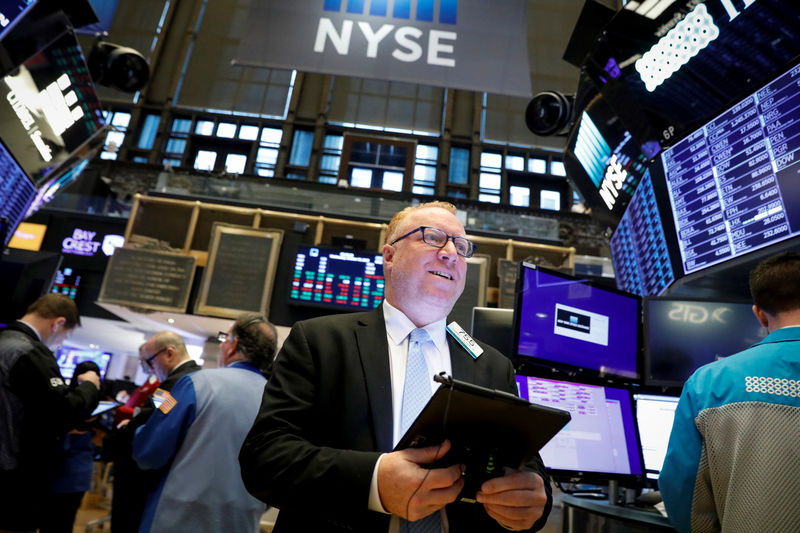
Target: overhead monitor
x,y
49,108
655,414
668,67
337,278
68,359
11,12
575,324
16,190
67,281
604,161
681,335
600,442
640,251
733,183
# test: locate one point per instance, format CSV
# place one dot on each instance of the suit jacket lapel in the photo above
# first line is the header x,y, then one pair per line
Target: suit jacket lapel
x,y
373,349
462,362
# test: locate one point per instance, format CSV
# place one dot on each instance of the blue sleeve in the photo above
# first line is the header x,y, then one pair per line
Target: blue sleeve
x,y
679,473
157,441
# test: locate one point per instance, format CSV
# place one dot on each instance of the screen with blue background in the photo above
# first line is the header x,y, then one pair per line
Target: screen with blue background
x,y
572,322
69,358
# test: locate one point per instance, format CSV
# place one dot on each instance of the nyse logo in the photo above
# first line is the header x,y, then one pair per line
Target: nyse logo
x,y
410,44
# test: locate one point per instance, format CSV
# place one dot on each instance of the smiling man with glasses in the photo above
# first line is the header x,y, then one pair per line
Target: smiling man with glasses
x,y
338,403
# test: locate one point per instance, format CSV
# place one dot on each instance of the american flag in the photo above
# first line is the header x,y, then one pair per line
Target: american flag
x,y
164,400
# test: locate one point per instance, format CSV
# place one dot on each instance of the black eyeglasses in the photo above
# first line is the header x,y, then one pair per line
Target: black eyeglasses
x,y
222,336
438,239
149,360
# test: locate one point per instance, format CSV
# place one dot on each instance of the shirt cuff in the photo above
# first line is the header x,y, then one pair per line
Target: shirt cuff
x,y
374,497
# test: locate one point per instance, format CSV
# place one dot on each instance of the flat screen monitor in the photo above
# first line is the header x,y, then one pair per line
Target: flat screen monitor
x,y
640,251
681,335
495,327
733,183
67,281
655,414
11,12
575,324
49,108
17,192
68,359
600,442
337,278
604,160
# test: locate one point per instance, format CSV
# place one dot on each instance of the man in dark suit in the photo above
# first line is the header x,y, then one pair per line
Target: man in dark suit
x,y
164,355
320,449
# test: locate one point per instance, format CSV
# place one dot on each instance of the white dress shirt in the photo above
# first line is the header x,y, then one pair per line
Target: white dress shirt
x,y
437,357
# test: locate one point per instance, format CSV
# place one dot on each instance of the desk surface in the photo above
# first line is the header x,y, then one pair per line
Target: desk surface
x,y
617,511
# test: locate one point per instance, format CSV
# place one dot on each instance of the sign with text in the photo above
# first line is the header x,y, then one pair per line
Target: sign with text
x,y
153,280
240,271
477,45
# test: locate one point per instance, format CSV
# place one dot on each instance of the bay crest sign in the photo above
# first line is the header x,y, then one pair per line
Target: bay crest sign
x,y
477,45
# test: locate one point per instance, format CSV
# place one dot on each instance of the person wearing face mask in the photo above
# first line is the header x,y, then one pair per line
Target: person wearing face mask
x,y
163,355
37,408
196,433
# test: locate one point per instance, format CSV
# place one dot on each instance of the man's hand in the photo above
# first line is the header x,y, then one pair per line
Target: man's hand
x,y
90,376
400,474
516,500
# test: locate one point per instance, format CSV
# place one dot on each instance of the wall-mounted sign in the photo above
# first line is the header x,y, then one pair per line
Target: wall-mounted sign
x,y
478,45
88,243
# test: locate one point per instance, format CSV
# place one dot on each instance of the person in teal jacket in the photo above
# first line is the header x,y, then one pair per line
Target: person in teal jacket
x,y
733,460
197,430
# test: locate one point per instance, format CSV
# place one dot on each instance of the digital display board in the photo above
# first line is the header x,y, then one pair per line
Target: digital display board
x,y
17,192
66,282
604,161
49,108
733,184
11,12
337,278
639,249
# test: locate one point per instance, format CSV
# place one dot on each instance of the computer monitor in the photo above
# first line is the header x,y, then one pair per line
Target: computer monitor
x,y
11,12
655,414
337,278
68,359
601,442
681,335
494,326
575,324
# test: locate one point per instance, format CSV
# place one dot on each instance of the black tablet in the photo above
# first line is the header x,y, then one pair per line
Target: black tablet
x,y
489,429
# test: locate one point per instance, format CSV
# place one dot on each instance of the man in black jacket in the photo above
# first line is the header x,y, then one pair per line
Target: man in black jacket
x,y
165,355
341,392
36,407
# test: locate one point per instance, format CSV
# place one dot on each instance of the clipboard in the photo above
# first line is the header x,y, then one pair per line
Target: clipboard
x,y
489,429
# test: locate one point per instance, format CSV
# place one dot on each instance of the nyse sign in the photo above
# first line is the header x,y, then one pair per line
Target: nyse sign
x,y
478,45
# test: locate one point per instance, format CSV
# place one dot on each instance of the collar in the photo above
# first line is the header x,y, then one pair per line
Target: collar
x,y
176,367
398,326
245,365
788,333
33,329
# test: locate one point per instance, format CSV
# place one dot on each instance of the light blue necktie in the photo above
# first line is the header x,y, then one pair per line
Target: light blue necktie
x,y
416,393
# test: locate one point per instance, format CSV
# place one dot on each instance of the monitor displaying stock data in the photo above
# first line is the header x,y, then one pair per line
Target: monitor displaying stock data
x,y
337,278
733,184
639,249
